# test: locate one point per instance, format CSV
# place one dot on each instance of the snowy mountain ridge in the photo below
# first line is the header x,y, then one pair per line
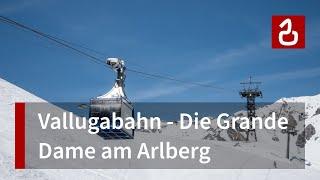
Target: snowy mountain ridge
x,y
312,103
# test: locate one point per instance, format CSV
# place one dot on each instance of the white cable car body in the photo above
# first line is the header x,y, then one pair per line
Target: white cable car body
x,y
114,101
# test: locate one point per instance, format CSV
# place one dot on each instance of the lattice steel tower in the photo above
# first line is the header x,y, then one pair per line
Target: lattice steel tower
x,y
251,91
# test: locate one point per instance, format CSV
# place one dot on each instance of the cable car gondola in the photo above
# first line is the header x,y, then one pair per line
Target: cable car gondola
x,y
113,101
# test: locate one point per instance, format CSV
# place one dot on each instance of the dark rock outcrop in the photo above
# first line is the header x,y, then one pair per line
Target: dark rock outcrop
x,y
305,135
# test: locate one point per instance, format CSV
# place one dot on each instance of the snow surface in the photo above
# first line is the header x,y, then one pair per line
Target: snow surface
x,y
116,92
9,94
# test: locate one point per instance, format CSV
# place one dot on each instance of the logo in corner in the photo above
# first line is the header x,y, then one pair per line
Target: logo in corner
x,y
288,32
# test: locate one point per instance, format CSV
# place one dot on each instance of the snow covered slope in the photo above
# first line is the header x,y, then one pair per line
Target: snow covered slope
x,y
312,109
9,94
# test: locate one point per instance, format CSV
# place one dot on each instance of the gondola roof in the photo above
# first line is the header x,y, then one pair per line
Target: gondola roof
x,y
116,92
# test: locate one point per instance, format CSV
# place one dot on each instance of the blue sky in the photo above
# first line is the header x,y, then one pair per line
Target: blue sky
x,y
215,42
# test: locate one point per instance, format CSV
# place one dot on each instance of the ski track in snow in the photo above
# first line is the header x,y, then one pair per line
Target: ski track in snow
x,y
9,94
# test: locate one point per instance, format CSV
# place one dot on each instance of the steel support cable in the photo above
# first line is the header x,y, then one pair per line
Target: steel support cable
x,y
70,45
